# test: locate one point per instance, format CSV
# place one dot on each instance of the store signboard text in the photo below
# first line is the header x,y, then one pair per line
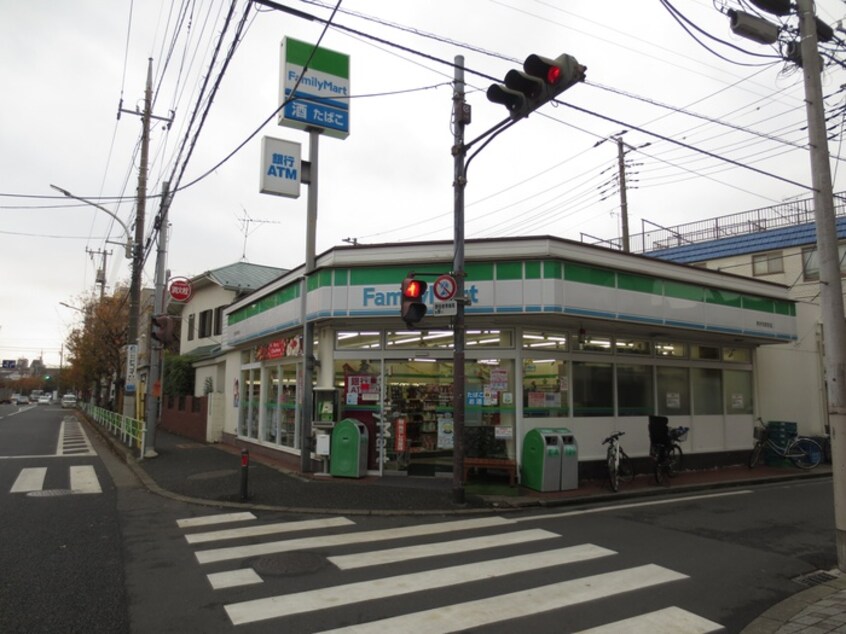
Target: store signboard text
x,y
371,296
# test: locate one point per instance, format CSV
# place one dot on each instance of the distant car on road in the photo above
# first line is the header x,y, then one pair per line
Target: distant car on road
x,y
44,399
69,401
20,399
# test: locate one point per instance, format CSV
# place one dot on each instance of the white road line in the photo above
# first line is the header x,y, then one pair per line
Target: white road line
x,y
266,529
241,552
386,587
233,578
462,616
672,620
633,505
208,520
30,479
393,555
61,442
83,479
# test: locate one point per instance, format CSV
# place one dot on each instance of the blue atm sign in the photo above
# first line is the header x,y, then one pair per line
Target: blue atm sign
x,y
322,94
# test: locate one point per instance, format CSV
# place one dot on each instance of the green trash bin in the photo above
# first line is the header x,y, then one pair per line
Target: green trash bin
x,y
348,449
540,468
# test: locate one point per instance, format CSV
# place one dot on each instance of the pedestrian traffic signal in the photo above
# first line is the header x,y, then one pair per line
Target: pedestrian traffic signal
x,y
413,309
541,81
162,329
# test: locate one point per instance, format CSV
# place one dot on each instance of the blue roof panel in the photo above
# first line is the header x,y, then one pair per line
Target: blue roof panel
x,y
799,235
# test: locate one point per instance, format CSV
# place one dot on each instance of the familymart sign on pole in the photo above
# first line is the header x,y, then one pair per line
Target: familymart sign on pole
x,y
322,95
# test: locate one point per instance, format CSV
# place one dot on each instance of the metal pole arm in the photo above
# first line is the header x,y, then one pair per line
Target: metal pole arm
x,y
101,208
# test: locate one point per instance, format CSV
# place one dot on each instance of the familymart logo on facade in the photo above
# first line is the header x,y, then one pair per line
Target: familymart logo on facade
x,y
372,296
322,94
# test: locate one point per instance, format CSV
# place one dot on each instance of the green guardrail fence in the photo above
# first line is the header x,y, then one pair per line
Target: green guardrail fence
x,y
129,430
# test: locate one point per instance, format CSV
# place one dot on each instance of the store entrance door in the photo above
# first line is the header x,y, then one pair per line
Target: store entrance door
x,y
419,398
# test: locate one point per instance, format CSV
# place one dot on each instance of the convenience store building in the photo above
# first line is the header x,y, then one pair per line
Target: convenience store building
x,y
559,334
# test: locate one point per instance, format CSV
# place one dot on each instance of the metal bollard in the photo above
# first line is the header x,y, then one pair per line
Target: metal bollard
x,y
245,467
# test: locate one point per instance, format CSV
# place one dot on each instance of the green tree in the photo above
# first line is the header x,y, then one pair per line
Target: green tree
x,y
178,375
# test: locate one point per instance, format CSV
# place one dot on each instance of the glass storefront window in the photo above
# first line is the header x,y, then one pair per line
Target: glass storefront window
x,y
632,346
738,392
593,343
546,388
358,340
248,413
707,391
667,349
535,340
593,389
416,339
634,390
705,353
737,355
673,391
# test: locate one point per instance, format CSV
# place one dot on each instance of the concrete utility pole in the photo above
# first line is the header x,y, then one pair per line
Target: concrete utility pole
x,y
624,205
459,184
138,246
831,291
151,408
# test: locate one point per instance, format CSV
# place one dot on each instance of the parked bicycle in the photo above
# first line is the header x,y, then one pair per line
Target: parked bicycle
x,y
665,449
619,464
804,453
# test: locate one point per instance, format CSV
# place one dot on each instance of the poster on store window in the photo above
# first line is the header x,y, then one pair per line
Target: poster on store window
x,y
362,389
446,439
673,400
499,380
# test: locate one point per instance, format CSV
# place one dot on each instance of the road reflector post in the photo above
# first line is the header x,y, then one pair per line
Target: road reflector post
x,y
245,468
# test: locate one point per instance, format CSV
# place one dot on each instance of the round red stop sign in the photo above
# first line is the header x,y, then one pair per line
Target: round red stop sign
x,y
180,289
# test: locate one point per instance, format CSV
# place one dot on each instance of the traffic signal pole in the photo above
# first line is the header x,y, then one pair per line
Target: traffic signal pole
x,y
459,183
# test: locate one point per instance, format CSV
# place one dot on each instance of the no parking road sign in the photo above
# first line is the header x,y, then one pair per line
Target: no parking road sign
x,y
444,290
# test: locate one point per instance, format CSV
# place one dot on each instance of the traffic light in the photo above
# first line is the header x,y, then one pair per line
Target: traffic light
x,y
413,309
162,329
541,81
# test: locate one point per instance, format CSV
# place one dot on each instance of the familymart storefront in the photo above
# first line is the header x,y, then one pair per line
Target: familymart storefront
x,y
559,334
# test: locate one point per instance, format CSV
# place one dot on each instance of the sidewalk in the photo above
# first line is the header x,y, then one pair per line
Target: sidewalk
x,y
198,473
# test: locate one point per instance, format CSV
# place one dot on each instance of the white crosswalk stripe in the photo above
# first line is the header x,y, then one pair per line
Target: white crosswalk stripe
x,y
81,479
385,585
73,440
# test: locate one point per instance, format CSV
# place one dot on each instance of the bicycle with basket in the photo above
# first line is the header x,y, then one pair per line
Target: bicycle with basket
x,y
664,448
804,453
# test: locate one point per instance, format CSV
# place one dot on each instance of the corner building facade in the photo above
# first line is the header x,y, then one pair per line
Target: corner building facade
x,y
558,334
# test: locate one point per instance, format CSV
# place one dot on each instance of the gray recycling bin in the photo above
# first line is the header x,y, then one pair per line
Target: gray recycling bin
x,y
550,460
348,449
569,460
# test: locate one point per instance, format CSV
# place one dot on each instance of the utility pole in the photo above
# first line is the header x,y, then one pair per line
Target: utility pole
x,y
459,184
138,246
624,205
831,291
151,409
101,272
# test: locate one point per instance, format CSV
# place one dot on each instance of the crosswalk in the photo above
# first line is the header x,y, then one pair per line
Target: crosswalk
x,y
81,479
217,540
73,440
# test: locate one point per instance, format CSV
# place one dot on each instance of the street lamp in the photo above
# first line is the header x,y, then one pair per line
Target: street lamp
x,y
133,250
128,245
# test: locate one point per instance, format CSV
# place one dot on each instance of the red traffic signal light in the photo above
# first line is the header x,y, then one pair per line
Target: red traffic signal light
x,y
541,81
413,309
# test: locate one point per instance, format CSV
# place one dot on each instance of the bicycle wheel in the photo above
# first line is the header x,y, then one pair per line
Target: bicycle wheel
x,y
661,466
625,470
804,453
613,472
674,461
755,456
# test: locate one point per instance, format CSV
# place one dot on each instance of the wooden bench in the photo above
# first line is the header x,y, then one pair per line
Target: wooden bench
x,y
501,464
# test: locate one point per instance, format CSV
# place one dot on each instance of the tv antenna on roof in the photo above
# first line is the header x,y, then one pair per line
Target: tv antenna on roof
x,y
245,224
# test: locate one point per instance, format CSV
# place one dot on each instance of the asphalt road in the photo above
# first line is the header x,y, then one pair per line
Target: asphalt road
x,y
126,560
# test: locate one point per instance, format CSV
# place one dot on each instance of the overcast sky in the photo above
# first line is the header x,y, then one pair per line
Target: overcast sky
x,y
67,66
